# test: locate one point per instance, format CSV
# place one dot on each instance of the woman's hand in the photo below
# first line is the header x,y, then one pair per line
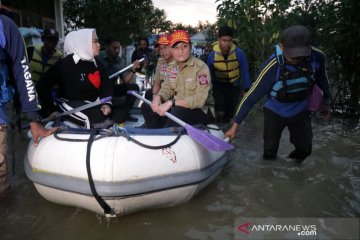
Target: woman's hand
x,y
106,109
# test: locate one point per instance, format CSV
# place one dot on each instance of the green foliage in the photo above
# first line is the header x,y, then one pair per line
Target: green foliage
x,y
339,34
179,26
158,23
124,19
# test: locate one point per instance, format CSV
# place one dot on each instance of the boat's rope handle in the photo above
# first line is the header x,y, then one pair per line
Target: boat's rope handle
x,y
103,134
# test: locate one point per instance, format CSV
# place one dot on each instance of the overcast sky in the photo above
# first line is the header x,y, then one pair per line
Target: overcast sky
x,y
188,11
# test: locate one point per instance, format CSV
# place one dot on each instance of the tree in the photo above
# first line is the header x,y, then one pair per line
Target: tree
x,y
339,33
179,26
256,30
157,22
124,19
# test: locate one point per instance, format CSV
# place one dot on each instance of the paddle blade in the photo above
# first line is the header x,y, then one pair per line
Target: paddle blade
x,y
105,100
207,140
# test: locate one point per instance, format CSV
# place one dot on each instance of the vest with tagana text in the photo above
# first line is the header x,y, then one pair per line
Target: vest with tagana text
x,y
226,70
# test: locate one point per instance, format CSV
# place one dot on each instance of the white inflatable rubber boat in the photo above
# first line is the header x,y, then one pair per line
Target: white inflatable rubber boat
x,y
122,170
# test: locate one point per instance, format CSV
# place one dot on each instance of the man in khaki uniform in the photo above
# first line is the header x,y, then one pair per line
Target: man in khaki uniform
x,y
186,89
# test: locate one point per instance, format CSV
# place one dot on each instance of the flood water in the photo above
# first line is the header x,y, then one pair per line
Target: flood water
x,y
326,185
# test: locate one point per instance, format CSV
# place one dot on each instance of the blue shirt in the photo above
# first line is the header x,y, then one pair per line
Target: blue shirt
x,y
266,78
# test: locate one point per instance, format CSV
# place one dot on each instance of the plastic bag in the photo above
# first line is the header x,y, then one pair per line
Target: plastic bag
x,y
315,99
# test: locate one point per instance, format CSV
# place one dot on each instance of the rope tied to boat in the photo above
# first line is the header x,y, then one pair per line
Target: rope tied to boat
x,y
179,134
118,130
108,211
115,131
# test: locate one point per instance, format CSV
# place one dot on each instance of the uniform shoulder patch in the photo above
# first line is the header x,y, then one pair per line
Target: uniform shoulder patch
x,y
203,79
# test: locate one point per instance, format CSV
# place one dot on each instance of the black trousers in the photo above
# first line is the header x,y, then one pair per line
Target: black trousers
x,y
122,102
190,116
226,97
300,134
148,94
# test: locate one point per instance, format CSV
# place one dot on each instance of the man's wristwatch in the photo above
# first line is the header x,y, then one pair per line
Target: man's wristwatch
x,y
173,102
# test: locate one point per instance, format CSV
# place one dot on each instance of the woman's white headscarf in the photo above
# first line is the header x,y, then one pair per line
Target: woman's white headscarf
x,y
79,43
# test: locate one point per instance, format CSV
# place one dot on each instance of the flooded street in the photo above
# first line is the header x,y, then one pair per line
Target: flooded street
x,y
326,185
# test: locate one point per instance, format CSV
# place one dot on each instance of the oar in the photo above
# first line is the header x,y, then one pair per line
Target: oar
x,y
124,69
78,109
207,140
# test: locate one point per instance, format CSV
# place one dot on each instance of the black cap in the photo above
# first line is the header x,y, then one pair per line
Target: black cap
x,y
50,33
296,41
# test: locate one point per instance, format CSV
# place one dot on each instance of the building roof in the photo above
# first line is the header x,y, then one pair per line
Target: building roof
x,y
199,37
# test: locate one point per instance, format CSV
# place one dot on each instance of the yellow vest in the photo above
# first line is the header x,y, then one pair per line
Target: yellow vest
x,y
226,70
38,67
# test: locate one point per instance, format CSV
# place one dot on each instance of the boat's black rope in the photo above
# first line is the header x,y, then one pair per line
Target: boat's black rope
x,y
107,209
123,133
160,146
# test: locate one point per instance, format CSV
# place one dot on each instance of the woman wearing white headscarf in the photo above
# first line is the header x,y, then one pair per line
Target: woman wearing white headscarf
x,y
80,79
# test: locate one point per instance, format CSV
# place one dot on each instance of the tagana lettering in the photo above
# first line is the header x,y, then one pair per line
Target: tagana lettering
x,y
29,83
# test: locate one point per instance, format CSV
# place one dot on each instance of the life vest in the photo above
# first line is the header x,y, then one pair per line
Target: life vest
x,y
38,66
226,70
6,90
293,83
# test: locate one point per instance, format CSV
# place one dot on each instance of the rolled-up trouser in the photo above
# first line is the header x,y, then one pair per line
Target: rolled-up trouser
x,y
4,184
